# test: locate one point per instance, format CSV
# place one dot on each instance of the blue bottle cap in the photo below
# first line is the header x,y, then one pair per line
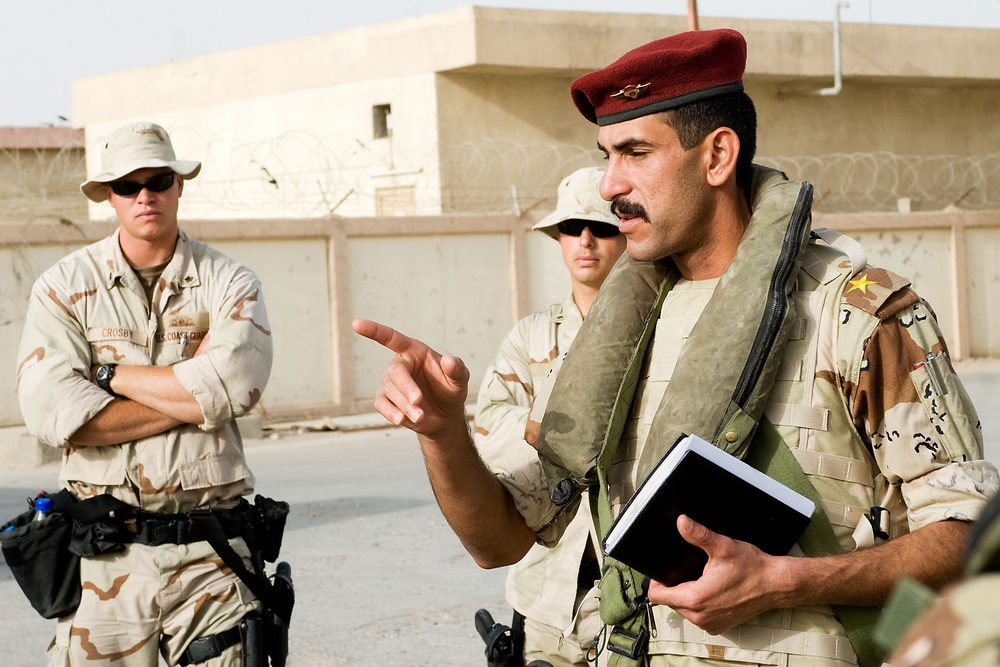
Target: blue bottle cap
x,y
43,504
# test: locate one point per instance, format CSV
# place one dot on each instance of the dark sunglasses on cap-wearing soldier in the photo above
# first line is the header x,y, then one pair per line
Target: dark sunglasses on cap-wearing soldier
x,y
601,230
158,183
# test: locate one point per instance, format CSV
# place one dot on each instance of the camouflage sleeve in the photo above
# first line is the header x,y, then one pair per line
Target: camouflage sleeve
x,y
228,380
506,394
555,519
54,389
914,413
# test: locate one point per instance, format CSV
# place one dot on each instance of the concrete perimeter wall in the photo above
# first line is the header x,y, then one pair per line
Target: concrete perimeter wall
x,y
460,283
457,282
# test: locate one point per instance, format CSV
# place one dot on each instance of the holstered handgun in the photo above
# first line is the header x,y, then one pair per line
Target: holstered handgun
x,y
252,635
499,642
276,627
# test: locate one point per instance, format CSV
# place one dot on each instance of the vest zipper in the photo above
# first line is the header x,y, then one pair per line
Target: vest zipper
x,y
777,300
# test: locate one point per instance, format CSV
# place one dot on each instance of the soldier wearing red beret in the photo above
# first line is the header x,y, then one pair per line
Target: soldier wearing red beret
x,y
729,318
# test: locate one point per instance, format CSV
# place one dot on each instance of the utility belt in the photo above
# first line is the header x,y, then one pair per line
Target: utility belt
x,y
152,529
44,555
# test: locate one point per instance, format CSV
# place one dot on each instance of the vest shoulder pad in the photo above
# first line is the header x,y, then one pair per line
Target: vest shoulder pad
x,y
879,292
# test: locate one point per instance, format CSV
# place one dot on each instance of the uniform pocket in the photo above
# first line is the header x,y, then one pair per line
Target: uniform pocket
x,y
97,466
948,410
213,471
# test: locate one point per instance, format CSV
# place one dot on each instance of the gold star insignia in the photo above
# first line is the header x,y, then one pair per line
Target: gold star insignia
x,y
632,91
861,283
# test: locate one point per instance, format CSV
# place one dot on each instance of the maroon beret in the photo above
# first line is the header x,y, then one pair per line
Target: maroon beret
x,y
663,74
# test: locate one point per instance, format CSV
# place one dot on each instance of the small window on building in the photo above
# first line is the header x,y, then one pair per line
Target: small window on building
x,y
396,201
381,121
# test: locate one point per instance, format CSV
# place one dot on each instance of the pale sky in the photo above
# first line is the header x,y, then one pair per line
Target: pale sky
x,y
48,44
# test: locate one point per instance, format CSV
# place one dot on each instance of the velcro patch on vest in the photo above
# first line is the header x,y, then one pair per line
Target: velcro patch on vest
x,y
879,292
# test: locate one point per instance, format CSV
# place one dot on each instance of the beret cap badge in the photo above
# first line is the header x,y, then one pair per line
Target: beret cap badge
x,y
667,73
632,91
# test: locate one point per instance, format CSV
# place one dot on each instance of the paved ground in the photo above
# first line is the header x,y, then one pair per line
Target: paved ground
x,y
380,578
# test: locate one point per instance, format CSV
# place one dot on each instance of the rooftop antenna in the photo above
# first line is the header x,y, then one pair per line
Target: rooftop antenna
x,y
692,14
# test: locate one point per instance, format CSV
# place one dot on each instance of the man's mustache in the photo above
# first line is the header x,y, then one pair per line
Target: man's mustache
x,y
626,209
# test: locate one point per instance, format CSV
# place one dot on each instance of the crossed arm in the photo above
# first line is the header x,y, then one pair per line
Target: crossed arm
x,y
151,400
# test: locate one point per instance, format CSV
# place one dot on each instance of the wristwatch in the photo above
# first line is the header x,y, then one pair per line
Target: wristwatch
x,y
103,377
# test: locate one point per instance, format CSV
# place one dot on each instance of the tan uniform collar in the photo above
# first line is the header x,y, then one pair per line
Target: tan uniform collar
x,y
180,273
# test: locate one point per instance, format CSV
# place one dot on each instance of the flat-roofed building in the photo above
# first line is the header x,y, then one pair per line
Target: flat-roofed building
x,y
468,110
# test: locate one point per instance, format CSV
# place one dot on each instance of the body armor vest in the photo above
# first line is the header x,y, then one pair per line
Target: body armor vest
x,y
766,337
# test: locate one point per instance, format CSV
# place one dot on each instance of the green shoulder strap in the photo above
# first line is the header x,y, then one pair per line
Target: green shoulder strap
x,y
623,590
769,454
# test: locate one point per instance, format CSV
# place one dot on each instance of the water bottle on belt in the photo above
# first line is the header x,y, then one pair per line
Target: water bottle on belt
x,y
43,505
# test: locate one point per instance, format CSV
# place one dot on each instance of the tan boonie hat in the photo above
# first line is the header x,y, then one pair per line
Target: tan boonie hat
x,y
578,199
136,146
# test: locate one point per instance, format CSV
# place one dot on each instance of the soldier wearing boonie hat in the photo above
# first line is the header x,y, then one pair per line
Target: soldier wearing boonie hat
x,y
138,354
132,147
551,590
730,318
577,198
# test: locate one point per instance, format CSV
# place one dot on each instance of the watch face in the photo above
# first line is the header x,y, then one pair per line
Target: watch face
x,y
104,375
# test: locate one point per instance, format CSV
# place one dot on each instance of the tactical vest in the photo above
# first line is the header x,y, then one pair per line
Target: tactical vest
x,y
776,334
745,324
806,403
808,411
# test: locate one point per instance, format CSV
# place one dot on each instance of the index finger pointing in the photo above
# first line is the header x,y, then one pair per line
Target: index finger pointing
x,y
383,335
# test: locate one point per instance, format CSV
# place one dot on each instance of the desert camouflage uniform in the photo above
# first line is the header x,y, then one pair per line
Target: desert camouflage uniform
x,y
91,309
961,629
561,617
868,428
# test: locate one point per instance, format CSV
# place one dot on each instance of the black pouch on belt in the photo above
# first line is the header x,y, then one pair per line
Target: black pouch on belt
x,y
271,515
38,555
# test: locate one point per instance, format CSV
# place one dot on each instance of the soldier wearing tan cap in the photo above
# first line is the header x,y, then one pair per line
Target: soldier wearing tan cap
x,y
551,590
733,320
138,354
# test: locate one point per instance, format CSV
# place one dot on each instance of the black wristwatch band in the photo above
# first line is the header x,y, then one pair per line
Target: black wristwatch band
x,y
103,377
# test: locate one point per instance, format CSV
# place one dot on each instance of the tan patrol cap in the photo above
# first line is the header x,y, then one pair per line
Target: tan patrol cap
x,y
578,199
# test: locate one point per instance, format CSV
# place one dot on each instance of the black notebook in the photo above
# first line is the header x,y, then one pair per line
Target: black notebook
x,y
715,489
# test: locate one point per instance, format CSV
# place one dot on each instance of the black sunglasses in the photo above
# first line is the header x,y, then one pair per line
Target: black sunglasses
x,y
157,183
601,230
